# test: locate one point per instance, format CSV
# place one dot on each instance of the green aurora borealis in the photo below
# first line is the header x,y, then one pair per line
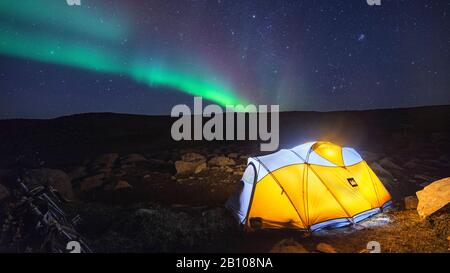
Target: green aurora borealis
x,y
90,40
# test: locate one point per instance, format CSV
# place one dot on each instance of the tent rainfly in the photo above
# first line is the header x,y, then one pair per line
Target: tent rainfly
x,y
312,186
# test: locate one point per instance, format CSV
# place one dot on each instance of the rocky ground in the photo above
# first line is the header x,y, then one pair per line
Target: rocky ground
x,y
136,204
170,198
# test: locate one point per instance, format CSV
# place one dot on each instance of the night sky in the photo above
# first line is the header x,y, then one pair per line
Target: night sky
x,y
145,57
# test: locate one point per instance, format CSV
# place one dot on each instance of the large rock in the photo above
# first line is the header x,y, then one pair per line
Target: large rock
x,y
4,193
221,161
200,168
411,202
185,167
190,163
288,246
52,177
433,197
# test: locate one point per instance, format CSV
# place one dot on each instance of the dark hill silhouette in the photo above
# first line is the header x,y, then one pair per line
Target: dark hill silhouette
x,y
68,139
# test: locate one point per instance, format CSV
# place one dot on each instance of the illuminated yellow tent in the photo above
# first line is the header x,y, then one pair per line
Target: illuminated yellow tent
x,y
312,186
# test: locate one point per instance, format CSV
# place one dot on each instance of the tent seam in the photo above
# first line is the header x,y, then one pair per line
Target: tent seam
x,y
287,195
321,181
373,184
304,189
252,194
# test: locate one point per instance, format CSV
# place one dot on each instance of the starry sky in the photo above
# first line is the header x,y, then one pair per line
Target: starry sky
x,y
144,57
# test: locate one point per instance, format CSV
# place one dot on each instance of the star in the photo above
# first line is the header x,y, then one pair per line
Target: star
x,y
361,37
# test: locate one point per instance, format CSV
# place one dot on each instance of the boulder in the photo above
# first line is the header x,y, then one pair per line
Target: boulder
x,y
433,197
190,163
200,168
4,193
51,177
411,202
288,246
221,161
92,182
185,167
192,157
325,248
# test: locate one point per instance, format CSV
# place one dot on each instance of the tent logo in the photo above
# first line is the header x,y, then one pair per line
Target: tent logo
x,y
352,182
235,119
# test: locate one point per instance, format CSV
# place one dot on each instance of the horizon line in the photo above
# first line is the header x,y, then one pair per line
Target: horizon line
x,y
168,115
